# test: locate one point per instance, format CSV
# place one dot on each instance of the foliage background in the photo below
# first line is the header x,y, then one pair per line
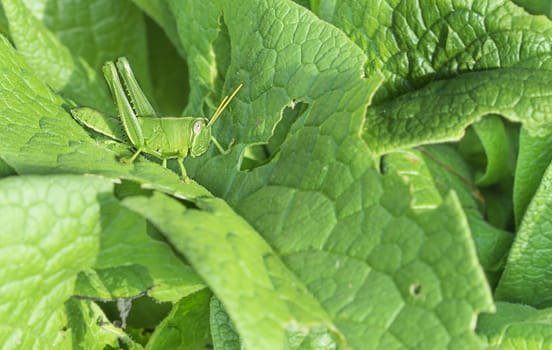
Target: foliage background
x,y
355,209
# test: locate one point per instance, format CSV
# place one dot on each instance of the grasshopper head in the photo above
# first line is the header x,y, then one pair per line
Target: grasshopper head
x,y
201,136
201,127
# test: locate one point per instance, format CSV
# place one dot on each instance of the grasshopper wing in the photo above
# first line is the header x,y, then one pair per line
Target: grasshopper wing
x,y
99,122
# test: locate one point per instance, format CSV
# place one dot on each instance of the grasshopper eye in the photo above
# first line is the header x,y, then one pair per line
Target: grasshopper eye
x,y
197,127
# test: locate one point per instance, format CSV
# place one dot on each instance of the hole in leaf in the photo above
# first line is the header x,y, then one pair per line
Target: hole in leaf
x,y
382,165
146,312
254,156
129,188
257,155
415,289
290,115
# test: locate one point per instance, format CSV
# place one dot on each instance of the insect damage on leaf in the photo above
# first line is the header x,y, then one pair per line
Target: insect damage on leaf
x,y
161,137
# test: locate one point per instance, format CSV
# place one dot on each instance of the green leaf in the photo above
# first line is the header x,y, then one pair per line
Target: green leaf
x,y
516,326
32,117
85,320
450,171
526,276
52,61
415,43
223,331
411,166
40,136
499,206
492,153
98,31
159,11
426,47
490,147
77,46
320,203
198,28
431,173
130,262
187,325
533,159
352,258
5,169
303,67
169,72
543,7
50,232
3,22
413,119
269,306
421,281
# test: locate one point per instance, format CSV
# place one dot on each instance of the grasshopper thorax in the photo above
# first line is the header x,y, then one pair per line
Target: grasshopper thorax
x,y
201,136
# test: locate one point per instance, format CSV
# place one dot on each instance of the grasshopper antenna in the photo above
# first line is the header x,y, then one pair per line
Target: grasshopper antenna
x,y
225,101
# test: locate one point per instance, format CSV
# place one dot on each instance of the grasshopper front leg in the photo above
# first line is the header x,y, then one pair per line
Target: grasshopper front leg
x,y
219,146
180,162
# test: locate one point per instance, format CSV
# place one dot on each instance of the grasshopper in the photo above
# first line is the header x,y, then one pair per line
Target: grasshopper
x,y
161,137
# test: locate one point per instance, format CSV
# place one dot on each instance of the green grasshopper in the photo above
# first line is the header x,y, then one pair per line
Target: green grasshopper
x,y
162,137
